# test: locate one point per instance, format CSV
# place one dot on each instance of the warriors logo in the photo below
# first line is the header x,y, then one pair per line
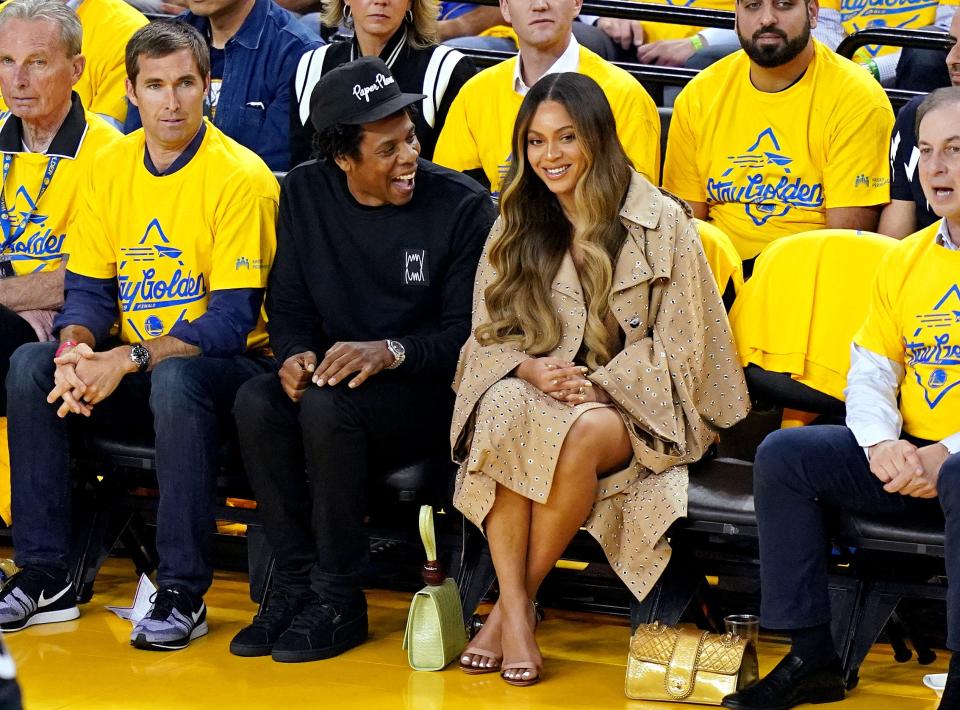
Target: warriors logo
x,y
931,354
760,178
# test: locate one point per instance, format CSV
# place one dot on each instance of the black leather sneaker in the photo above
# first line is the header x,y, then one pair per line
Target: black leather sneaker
x,y
258,638
321,630
791,683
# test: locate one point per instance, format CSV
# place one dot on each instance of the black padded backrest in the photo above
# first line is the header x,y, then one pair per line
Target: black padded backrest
x,y
780,389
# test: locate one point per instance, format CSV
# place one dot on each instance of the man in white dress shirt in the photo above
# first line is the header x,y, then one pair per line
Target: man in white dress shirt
x,y
899,452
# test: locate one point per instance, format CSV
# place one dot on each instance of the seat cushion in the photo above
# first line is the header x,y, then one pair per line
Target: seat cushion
x,y
721,491
912,533
423,474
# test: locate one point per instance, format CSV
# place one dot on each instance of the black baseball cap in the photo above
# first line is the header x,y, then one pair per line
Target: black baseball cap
x,y
360,91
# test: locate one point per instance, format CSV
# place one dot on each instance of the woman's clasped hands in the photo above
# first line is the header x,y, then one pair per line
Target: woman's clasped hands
x,y
561,379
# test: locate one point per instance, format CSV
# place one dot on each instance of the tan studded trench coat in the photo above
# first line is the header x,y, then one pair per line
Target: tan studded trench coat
x,y
676,381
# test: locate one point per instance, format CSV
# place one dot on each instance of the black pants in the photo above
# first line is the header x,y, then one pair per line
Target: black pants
x,y
309,463
14,332
798,473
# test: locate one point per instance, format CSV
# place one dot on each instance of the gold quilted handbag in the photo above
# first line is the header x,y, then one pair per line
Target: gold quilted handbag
x,y
688,665
435,632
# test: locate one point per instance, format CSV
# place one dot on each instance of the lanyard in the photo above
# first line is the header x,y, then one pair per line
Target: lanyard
x,y
5,220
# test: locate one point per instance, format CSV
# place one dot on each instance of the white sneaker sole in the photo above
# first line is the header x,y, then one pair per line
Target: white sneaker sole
x,y
46,617
144,645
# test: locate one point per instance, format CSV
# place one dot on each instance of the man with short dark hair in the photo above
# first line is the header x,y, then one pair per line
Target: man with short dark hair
x,y
899,453
369,303
254,49
781,137
174,240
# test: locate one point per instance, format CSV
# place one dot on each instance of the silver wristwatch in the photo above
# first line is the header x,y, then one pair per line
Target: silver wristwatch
x,y
399,354
140,356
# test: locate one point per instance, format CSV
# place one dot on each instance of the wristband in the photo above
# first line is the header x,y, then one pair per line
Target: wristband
x,y
697,42
64,345
871,66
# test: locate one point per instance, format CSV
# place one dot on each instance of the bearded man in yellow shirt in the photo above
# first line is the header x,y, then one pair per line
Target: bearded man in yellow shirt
x,y
782,137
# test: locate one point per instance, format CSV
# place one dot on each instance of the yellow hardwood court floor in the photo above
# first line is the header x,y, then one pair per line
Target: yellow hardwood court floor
x,y
89,663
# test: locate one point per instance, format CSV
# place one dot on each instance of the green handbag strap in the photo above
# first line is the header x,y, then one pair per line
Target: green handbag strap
x,y
432,574
427,533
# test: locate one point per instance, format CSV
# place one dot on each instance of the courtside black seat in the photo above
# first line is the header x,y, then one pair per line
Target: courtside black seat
x,y
120,473
915,535
427,479
895,558
720,497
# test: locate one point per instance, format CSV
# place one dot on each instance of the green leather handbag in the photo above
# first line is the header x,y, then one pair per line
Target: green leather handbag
x,y
435,632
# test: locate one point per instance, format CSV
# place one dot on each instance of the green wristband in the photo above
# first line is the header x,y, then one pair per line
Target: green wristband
x,y
697,42
872,67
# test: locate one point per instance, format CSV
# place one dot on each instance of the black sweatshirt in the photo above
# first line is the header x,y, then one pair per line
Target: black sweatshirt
x,y
346,272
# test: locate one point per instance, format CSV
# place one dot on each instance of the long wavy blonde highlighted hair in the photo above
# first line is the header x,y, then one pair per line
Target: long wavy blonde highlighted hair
x,y
536,234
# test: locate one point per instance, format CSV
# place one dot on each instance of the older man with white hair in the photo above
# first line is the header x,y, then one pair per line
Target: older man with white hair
x,y
47,142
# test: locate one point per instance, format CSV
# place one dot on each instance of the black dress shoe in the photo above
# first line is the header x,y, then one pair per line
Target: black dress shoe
x,y
791,683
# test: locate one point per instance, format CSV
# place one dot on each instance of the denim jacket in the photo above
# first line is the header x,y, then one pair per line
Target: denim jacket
x,y
254,104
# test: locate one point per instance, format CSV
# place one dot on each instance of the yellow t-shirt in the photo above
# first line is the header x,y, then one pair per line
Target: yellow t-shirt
x,y
858,15
914,319
107,26
479,125
771,164
657,31
40,245
171,240
806,299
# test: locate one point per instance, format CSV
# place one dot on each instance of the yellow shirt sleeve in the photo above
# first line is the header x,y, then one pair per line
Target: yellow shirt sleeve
x,y
110,98
680,174
638,126
90,244
855,173
246,236
881,332
457,147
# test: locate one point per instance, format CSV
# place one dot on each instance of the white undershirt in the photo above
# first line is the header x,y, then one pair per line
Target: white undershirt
x,y
569,61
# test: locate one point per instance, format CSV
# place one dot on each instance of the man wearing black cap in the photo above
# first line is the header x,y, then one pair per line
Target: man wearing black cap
x,y
369,303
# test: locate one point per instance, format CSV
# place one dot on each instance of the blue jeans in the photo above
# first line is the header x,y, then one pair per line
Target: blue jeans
x,y
186,401
800,472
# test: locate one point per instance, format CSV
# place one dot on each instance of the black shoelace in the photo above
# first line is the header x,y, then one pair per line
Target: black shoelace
x,y
166,599
314,614
281,606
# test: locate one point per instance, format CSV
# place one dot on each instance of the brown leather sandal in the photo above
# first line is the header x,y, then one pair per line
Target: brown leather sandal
x,y
522,682
483,653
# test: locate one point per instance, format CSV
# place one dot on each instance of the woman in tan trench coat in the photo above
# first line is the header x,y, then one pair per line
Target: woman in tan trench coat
x,y
601,363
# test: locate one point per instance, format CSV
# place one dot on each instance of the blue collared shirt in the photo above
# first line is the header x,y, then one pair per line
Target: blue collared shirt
x,y
260,60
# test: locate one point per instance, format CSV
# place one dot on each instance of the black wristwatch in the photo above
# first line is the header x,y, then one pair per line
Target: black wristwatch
x,y
140,356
